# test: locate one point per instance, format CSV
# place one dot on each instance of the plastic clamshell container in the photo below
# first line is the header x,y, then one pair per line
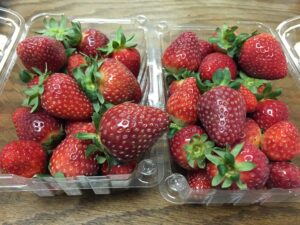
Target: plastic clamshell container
x,y
174,188
150,169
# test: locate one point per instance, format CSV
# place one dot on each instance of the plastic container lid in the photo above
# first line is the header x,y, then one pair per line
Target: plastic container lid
x,y
11,27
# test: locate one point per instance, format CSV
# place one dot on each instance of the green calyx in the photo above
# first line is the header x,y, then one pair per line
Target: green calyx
x,y
227,40
88,81
120,42
173,129
220,78
26,76
69,36
96,147
251,83
34,93
182,73
268,92
228,169
198,149
53,139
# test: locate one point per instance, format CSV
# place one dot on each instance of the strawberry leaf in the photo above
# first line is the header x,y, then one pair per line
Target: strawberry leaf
x,y
90,150
25,76
237,149
214,159
100,159
173,128
96,120
227,183
85,136
217,180
245,166
222,169
241,185
59,175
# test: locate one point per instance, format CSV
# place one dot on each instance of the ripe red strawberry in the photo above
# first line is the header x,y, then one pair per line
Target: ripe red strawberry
x,y
92,39
74,127
125,168
61,97
183,52
128,130
182,105
269,112
117,83
39,51
183,84
251,133
205,48
281,142
222,112
244,167
74,61
33,82
187,148
249,97
261,56
38,126
214,61
69,159
199,180
284,175
123,50
23,158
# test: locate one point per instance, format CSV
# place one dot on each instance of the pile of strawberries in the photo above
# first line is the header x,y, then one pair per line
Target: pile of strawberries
x,y
81,114
229,129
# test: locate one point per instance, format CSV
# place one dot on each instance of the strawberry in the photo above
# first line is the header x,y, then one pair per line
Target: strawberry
x,y
189,146
251,133
182,105
284,175
214,61
249,97
38,126
281,142
183,84
205,48
92,39
124,168
74,127
33,82
199,180
128,130
117,84
69,158
42,52
269,112
245,166
222,112
23,158
183,52
123,50
262,56
74,61
60,96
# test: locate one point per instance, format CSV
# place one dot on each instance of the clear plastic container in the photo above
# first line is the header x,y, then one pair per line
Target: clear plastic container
x,y
174,188
149,171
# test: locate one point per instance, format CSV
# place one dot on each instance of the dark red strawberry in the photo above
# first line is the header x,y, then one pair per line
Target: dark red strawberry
x,y
92,39
117,84
222,112
199,180
188,147
42,52
38,126
183,84
245,166
123,49
182,105
74,61
74,127
262,56
23,158
124,168
128,130
281,142
69,158
249,97
61,97
214,61
183,52
284,175
205,48
251,133
269,112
